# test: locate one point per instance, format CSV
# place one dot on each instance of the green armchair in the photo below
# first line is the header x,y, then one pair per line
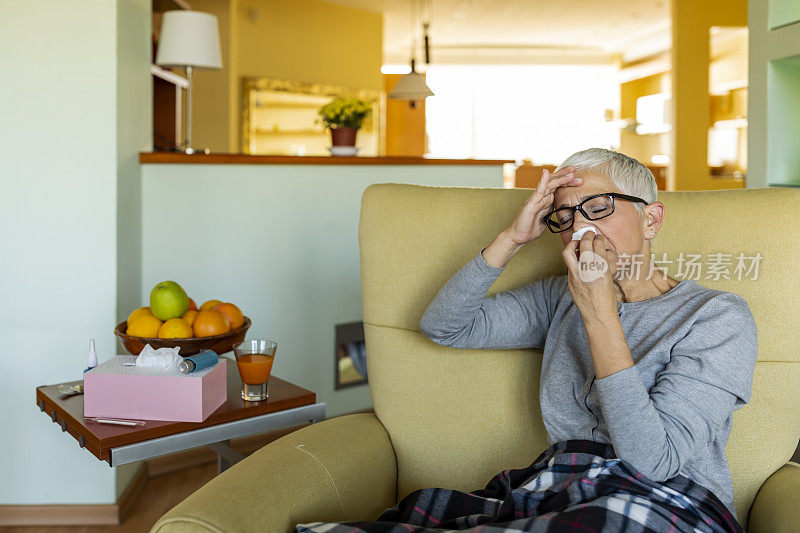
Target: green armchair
x,y
454,418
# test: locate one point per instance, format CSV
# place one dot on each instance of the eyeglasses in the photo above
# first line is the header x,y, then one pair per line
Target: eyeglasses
x,y
593,208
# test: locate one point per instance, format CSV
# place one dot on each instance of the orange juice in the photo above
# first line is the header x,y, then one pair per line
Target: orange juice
x,y
255,368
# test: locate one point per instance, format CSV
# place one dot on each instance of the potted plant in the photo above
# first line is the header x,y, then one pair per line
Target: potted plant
x,y
344,115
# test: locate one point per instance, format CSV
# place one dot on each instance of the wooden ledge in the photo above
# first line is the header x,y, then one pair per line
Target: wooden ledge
x,y
244,159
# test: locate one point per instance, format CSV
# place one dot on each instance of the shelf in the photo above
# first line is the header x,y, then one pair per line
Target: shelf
x,y
297,105
783,13
171,77
244,159
309,131
795,185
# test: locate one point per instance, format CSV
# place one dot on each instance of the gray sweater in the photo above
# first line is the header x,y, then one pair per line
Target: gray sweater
x,y
694,351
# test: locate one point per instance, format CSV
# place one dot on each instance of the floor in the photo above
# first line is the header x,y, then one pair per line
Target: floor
x,y
171,483
159,495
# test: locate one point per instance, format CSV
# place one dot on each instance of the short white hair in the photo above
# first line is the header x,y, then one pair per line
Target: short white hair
x,y
627,173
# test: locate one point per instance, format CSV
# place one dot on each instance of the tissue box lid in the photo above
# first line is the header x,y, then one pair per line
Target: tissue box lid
x,y
117,365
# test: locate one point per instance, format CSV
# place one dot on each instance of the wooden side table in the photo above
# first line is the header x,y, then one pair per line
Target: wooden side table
x,y
287,405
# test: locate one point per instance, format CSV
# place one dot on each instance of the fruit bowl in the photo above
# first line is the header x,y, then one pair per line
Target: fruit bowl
x,y
188,346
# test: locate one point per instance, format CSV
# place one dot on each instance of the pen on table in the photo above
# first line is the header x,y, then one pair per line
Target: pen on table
x,y
117,422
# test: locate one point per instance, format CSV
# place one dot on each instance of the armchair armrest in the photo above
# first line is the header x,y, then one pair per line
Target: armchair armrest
x,y
777,505
342,469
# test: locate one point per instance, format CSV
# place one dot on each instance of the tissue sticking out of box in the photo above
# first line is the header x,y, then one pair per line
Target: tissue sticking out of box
x,y
161,358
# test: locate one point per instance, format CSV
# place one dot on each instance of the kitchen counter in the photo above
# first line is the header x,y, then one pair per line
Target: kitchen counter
x,y
244,159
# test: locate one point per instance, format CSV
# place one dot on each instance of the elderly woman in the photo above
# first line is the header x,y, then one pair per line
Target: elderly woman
x,y
632,357
640,375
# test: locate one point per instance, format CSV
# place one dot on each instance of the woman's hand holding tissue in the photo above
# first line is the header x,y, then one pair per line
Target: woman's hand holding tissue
x,y
591,277
591,282
593,287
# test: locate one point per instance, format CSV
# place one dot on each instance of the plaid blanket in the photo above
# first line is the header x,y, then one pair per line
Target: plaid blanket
x,y
574,485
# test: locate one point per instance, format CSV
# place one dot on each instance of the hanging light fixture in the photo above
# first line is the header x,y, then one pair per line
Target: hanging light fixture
x,y
412,86
425,27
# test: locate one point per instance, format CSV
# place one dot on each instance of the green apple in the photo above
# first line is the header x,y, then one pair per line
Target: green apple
x,y
168,300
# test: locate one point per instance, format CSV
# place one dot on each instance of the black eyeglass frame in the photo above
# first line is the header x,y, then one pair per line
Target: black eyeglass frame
x,y
579,207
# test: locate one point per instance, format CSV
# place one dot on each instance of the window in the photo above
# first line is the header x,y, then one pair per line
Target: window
x,y
540,112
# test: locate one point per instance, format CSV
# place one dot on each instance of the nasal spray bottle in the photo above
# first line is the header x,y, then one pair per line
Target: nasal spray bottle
x,y
197,362
92,359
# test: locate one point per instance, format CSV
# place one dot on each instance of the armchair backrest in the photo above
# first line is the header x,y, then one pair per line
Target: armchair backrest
x,y
458,417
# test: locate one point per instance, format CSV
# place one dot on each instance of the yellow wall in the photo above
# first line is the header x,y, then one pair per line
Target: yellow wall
x,y
633,89
301,40
404,125
728,60
691,21
642,147
212,92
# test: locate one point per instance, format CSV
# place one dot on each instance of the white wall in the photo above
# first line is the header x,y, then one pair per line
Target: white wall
x,y
281,242
773,111
134,134
59,169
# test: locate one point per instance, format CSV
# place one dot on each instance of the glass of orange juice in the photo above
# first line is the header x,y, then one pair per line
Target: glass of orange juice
x,y
254,359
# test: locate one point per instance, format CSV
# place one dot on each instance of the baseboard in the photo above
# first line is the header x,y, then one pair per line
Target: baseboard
x,y
59,515
111,514
116,513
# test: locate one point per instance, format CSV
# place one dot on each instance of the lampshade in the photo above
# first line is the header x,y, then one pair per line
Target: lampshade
x,y
412,86
189,39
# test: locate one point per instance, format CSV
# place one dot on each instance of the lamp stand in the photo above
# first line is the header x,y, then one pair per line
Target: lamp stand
x,y
188,147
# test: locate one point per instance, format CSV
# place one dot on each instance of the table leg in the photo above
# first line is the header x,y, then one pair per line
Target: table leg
x,y
226,456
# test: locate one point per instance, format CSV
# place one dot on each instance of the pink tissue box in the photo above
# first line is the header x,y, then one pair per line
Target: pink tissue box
x,y
116,391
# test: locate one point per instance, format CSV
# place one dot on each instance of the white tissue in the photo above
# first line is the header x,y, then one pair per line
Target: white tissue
x,y
161,358
578,234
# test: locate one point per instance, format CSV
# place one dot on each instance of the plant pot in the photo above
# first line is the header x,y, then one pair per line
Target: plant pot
x,y
343,136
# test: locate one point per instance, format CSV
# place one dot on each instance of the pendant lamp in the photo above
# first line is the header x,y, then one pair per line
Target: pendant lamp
x,y
412,86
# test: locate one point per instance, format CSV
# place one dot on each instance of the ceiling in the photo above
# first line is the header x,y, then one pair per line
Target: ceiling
x,y
524,30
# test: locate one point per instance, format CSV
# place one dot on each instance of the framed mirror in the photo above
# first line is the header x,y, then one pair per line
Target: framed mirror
x,y
279,118
350,356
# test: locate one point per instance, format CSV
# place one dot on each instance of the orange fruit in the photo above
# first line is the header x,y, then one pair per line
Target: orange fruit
x,y
189,316
175,328
235,316
209,305
145,326
210,322
138,313
192,305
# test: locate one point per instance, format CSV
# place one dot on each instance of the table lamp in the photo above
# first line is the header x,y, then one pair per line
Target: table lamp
x,y
189,39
